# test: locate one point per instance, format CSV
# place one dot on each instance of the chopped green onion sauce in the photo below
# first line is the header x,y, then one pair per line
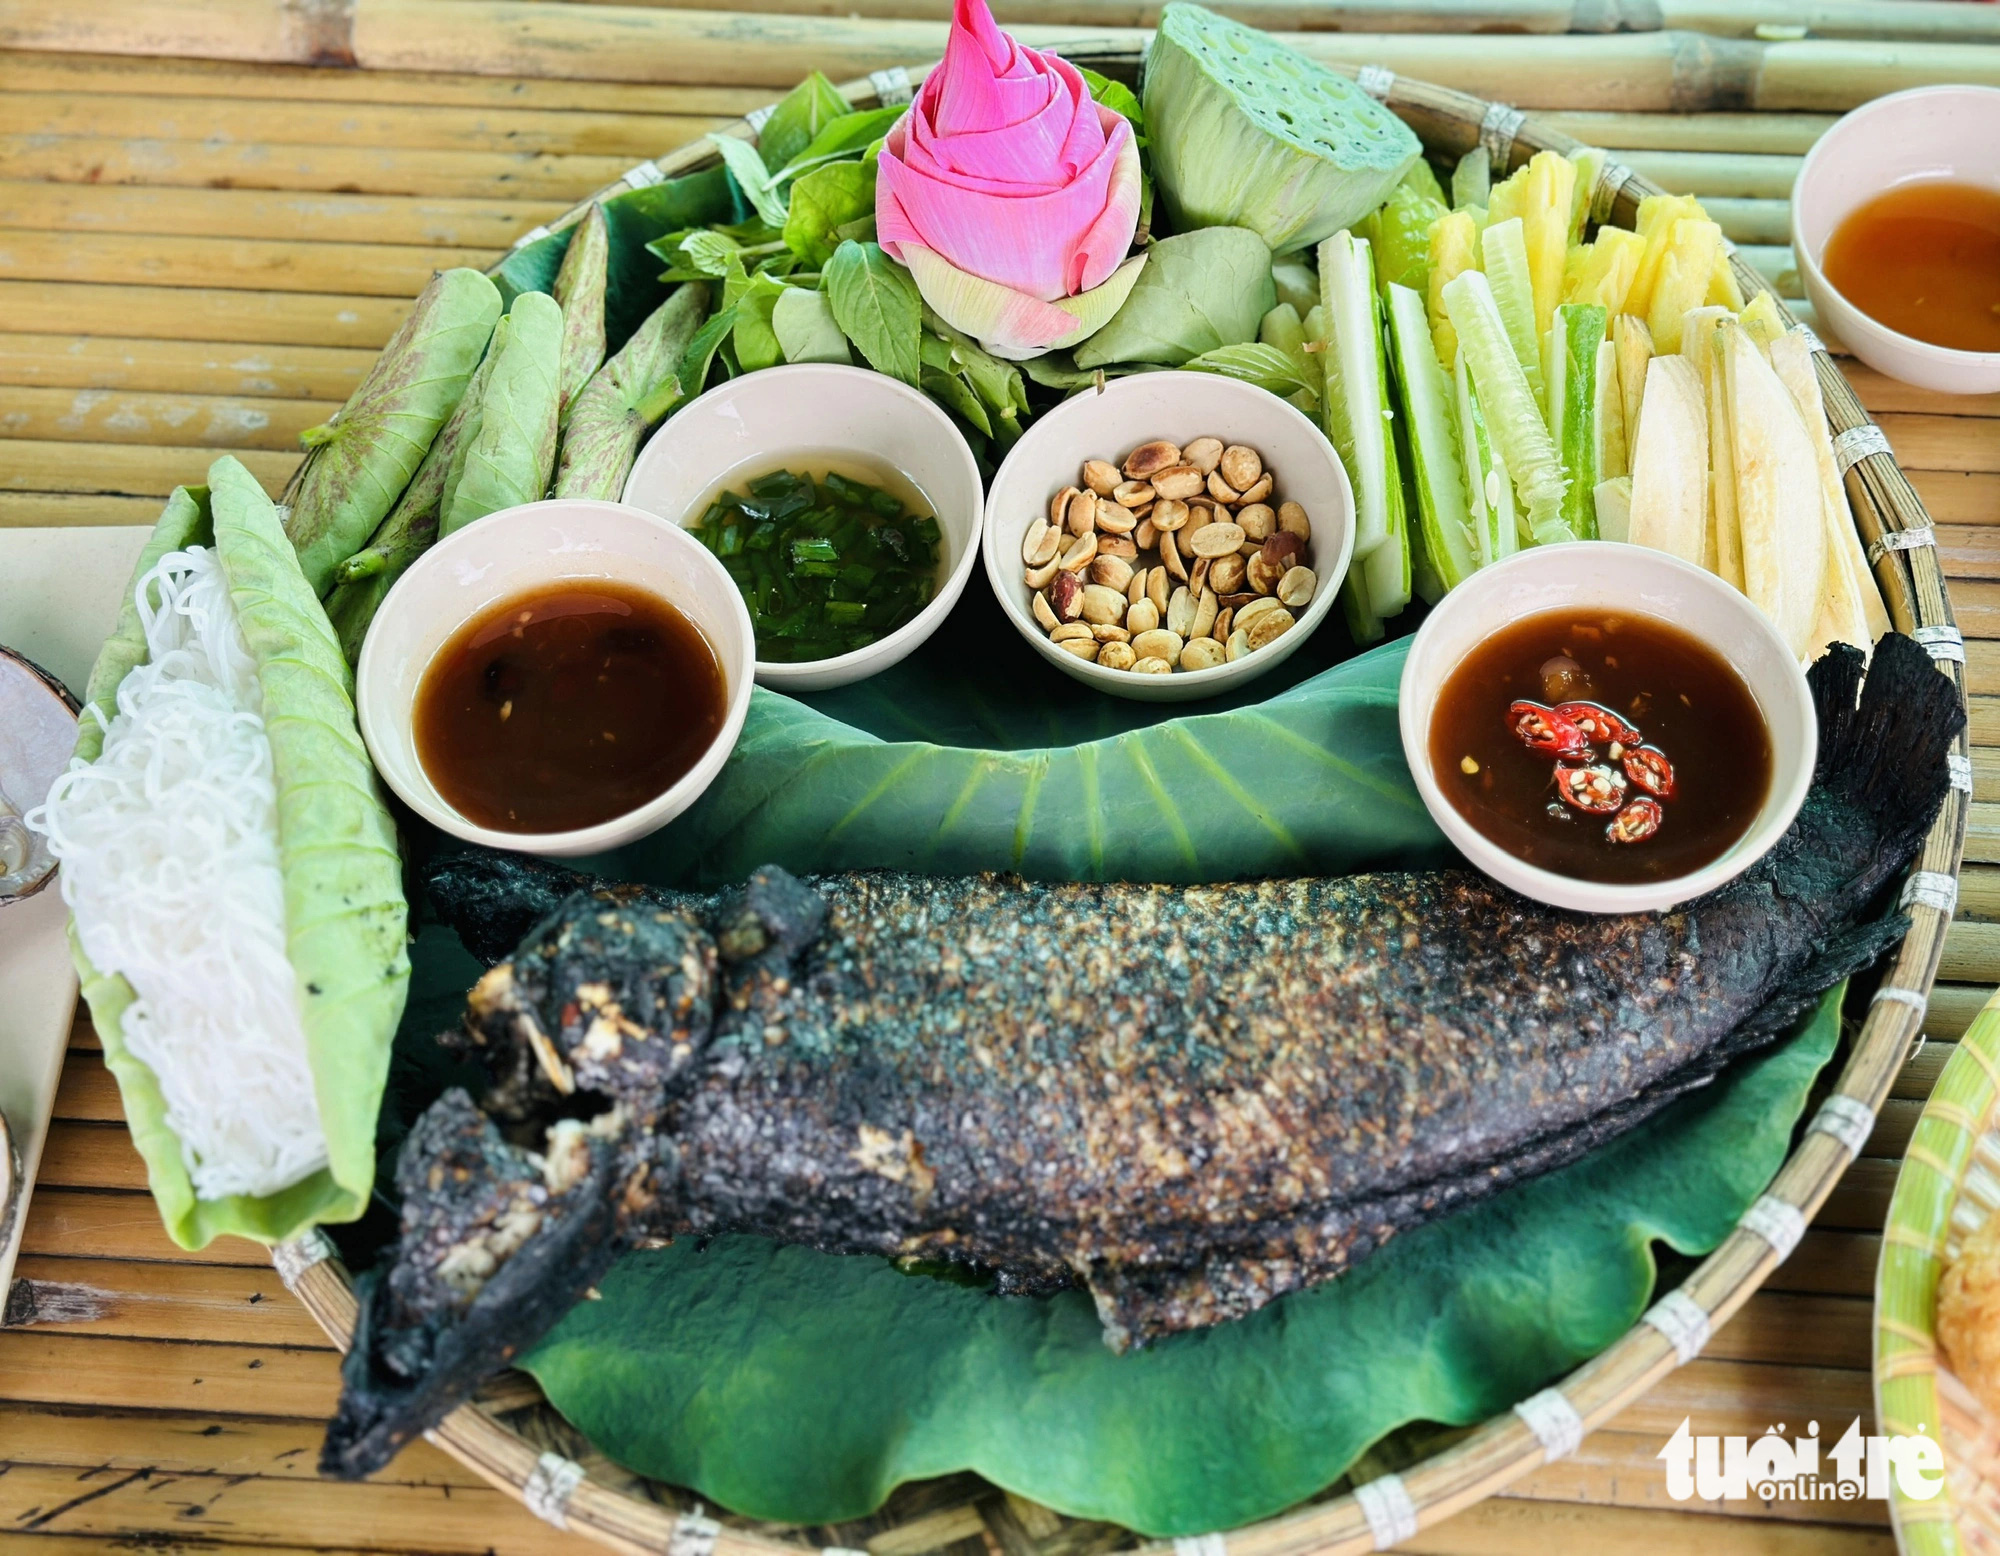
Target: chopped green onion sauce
x,y
827,565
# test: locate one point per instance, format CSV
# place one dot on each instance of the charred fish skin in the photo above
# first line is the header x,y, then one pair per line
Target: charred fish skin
x,y
1195,1101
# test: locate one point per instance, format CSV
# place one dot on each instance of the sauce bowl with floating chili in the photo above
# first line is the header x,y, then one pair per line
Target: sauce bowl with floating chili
x,y
1896,226
876,524
559,678
1606,728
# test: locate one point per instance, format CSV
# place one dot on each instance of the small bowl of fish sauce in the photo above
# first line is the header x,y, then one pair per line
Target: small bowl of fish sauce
x,y
850,513
1896,226
560,678
1606,728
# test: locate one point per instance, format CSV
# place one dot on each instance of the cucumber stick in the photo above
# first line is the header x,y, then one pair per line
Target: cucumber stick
x,y
1503,255
1574,336
1489,489
1513,417
1443,539
1353,404
1389,566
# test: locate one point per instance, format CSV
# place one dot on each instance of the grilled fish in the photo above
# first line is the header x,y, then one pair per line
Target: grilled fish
x,y
1189,1100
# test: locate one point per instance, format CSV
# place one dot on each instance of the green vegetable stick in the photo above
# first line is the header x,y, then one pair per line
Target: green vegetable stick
x,y
361,582
1489,489
372,447
1389,569
1443,516
1472,180
1503,255
1574,336
579,292
510,458
629,395
1512,416
1352,402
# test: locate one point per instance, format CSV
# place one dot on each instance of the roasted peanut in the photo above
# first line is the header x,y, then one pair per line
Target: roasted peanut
x,y
1256,520
1083,648
1170,558
1101,476
1198,574
1070,630
1114,572
1268,628
1250,612
1117,545
1152,667
1117,656
1066,595
1225,576
1132,494
1293,521
1284,550
1239,644
1296,587
1179,482
1041,577
1101,604
1224,620
1221,490
1142,616
1240,465
1135,587
1042,541
1080,552
1109,632
1203,654
1180,613
1168,515
1059,506
1148,457
1213,540
1262,575
1203,453
1080,517
1159,584
1045,613
1204,615
1144,536
1114,520
1160,643
1258,489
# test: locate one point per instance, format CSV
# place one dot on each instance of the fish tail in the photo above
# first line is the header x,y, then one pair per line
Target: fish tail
x,y
1884,737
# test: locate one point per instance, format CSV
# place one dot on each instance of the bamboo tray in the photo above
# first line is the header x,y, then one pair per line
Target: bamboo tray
x,y
516,1441
1945,1190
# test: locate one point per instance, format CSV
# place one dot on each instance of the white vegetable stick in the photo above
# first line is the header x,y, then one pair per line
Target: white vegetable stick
x,y
1722,554
1614,508
1852,611
1669,508
1635,349
1779,502
1613,455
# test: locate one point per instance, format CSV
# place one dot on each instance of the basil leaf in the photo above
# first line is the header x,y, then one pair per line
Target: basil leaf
x,y
711,254
824,201
1118,97
940,379
806,329
878,307
799,117
756,343
846,137
693,375
1270,368
744,165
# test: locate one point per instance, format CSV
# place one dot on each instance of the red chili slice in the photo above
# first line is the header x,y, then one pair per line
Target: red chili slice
x,y
1598,723
1544,731
1636,822
1649,768
1599,789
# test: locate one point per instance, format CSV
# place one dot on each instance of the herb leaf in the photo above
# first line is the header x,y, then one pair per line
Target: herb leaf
x,y
798,119
824,201
878,308
747,168
807,331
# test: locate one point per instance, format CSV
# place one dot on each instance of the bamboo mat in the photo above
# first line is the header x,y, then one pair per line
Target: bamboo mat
x,y
200,255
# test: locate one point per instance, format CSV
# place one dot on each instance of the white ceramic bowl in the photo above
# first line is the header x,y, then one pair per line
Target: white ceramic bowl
x,y
508,553
1919,136
1180,407
1630,580
747,426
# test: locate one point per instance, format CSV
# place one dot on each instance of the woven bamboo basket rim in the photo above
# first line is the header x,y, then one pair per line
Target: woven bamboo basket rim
x,y
1964,1105
1394,1507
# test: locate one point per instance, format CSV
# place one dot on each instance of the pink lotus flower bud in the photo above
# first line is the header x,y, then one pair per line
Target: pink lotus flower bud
x,y
1006,172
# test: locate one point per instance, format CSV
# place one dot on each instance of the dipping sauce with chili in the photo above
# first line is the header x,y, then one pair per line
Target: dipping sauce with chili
x,y
1924,259
1532,741
566,706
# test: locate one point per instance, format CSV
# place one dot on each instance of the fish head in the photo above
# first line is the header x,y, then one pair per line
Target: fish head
x,y
610,995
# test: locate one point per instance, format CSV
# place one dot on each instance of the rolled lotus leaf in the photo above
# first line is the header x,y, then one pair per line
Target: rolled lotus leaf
x,y
629,394
510,456
579,292
345,916
368,452
360,582
1246,133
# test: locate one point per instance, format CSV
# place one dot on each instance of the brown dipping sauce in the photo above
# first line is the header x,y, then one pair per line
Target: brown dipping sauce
x,y
1686,701
1924,259
567,706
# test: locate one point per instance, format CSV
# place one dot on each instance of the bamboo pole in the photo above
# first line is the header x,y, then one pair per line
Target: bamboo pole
x,y
1666,71
1717,175
1767,134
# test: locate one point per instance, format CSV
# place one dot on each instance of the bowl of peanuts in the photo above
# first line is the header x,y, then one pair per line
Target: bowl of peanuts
x,y
1170,536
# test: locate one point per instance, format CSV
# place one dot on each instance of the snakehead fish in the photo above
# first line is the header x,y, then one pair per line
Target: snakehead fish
x,y
1189,1100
